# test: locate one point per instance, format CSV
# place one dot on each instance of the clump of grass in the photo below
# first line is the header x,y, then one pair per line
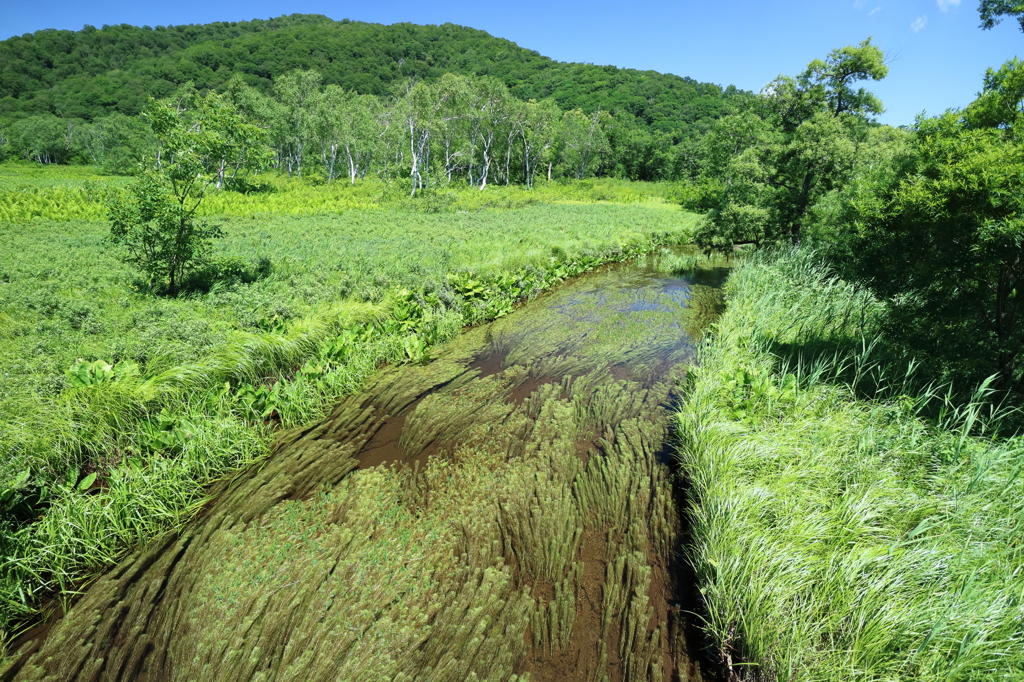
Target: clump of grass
x,y
837,537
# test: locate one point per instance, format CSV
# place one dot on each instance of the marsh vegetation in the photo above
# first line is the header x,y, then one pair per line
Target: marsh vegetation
x,y
501,512
849,519
354,384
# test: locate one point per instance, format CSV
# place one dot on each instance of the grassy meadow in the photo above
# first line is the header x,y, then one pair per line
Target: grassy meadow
x,y
31,192
118,406
847,522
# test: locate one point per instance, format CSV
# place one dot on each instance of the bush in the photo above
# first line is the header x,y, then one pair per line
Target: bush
x,y
225,272
159,235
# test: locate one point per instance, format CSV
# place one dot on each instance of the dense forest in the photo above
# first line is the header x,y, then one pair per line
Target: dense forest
x,y
59,88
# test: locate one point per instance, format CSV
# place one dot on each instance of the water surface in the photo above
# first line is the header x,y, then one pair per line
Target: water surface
x,y
497,512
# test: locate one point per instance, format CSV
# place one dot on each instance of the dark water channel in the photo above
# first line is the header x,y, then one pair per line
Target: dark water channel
x,y
503,512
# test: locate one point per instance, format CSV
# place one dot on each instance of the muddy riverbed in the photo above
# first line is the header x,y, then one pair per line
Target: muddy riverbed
x,y
506,511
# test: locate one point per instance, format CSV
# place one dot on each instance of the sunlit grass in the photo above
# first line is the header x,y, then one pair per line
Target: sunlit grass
x,y
31,192
835,537
198,381
14,174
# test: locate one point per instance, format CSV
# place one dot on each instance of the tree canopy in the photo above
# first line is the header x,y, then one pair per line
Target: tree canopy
x,y
767,167
994,11
943,240
89,73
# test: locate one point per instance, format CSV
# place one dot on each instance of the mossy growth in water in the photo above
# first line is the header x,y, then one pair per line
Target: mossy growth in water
x,y
536,535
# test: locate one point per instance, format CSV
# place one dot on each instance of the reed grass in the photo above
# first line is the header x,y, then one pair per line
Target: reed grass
x,y
839,530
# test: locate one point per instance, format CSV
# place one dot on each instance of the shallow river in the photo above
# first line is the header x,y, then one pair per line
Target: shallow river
x,y
505,510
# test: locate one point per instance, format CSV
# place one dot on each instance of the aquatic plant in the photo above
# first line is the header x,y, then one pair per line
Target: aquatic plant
x,y
526,518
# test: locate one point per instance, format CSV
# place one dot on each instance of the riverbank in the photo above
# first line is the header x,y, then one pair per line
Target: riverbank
x,y
845,522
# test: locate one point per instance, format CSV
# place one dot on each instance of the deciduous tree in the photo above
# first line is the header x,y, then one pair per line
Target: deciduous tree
x,y
994,11
801,144
538,129
296,94
200,137
583,139
944,244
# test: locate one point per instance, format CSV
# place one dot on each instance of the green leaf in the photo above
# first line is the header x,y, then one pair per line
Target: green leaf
x,y
22,478
87,482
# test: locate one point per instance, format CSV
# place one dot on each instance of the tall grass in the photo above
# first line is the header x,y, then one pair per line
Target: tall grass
x,y
836,533
25,174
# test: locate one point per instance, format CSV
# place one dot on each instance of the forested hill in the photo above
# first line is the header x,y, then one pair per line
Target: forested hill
x,y
92,72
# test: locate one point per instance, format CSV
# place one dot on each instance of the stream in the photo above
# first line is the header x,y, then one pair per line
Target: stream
x,y
506,511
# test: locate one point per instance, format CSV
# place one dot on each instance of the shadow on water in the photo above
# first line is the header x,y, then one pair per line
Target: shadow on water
x,y
506,509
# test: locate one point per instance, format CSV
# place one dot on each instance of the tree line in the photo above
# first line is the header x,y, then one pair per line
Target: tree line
x,y
458,128
455,128
81,77
930,217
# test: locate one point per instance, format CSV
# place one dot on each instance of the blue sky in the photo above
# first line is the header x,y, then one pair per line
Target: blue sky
x,y
938,54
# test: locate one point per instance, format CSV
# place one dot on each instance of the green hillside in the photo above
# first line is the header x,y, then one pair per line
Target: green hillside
x,y
93,72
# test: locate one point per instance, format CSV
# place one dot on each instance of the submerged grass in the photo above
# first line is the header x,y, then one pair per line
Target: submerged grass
x,y
169,394
530,540
838,537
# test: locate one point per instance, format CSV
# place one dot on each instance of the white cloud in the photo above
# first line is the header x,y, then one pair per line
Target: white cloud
x,y
944,5
918,25
875,11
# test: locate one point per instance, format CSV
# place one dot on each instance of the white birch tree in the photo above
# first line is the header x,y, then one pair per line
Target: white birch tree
x,y
538,128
